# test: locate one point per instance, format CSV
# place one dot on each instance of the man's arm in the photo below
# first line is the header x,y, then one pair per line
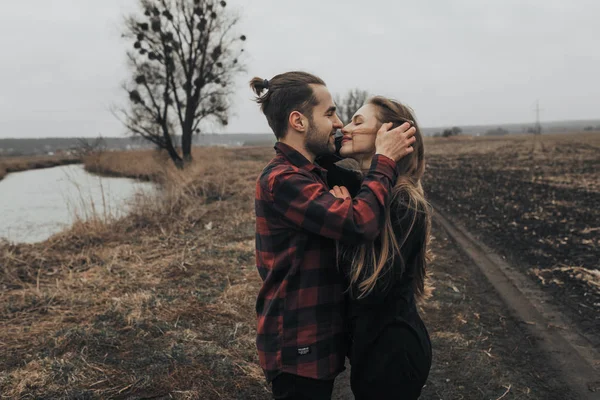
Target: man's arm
x,y
340,176
304,201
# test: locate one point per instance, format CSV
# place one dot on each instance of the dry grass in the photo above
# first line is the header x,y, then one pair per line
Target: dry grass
x,y
144,164
159,303
16,164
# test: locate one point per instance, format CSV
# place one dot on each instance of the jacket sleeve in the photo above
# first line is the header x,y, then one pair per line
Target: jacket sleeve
x,y
340,176
303,200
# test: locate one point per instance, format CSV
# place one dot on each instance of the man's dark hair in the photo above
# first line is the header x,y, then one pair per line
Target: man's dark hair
x,y
286,93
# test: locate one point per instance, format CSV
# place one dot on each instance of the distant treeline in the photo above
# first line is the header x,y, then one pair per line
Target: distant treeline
x,y
45,146
505,129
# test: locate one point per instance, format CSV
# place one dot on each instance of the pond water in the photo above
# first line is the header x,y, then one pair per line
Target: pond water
x,y
36,204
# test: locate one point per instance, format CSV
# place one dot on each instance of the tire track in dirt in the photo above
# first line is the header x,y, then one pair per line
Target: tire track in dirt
x,y
571,351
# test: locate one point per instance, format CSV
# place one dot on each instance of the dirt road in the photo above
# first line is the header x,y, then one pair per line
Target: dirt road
x,y
571,351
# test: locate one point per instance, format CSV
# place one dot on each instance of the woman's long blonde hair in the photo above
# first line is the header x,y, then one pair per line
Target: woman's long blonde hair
x,y
370,264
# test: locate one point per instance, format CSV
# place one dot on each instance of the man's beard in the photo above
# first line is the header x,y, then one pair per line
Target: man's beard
x,y
316,143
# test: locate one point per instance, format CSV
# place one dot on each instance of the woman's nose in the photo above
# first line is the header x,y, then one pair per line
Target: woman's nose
x,y
346,130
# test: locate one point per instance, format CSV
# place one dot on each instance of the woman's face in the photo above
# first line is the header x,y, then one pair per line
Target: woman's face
x,y
360,133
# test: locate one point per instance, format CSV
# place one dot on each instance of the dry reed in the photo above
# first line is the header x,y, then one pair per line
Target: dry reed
x,y
17,164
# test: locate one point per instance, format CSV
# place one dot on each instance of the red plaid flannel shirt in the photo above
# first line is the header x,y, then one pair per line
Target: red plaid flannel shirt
x,y
300,307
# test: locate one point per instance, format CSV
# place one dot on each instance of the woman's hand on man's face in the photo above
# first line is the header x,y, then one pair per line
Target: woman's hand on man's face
x,y
341,192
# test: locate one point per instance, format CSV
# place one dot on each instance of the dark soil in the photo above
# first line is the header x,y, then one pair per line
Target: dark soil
x,y
535,201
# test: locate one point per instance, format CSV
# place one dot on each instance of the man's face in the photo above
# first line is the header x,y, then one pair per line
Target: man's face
x,y
323,124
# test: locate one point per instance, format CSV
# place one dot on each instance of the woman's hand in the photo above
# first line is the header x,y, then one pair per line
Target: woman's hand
x,y
395,143
340,192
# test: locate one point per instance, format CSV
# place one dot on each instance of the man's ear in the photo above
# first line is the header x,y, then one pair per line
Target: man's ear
x,y
298,121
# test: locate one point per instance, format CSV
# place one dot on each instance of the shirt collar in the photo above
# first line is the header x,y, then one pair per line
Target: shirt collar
x,y
296,158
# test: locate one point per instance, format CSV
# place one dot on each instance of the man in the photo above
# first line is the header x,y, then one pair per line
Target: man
x,y
301,335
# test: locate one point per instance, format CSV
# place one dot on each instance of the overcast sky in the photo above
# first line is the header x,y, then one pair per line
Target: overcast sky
x,y
458,62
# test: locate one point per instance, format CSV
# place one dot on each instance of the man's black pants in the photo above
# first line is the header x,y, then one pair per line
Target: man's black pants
x,y
293,387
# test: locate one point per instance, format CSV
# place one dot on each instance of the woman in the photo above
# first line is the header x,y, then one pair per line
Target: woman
x,y
390,351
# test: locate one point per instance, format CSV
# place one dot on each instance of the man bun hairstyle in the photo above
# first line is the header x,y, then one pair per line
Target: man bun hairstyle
x,y
284,94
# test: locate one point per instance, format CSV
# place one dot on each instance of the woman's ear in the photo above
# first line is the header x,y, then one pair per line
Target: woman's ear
x,y
297,121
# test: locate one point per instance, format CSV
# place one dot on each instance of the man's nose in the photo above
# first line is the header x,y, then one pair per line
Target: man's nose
x,y
338,124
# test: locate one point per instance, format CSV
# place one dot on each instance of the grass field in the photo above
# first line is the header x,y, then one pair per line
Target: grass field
x,y
16,164
160,304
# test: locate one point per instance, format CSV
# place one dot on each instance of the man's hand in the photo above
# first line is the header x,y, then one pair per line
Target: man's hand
x,y
395,143
340,192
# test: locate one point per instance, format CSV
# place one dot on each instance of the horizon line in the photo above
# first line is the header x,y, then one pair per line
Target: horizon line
x,y
271,133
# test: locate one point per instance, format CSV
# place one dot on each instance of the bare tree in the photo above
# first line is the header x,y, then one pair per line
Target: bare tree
x,y
184,60
350,103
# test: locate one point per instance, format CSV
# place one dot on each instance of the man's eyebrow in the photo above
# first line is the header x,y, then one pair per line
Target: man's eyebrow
x,y
331,109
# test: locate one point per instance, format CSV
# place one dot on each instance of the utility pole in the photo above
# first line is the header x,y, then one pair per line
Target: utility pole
x,y
538,125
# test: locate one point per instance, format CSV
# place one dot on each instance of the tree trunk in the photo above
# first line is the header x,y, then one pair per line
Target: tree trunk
x,y
187,128
168,146
186,145
177,160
